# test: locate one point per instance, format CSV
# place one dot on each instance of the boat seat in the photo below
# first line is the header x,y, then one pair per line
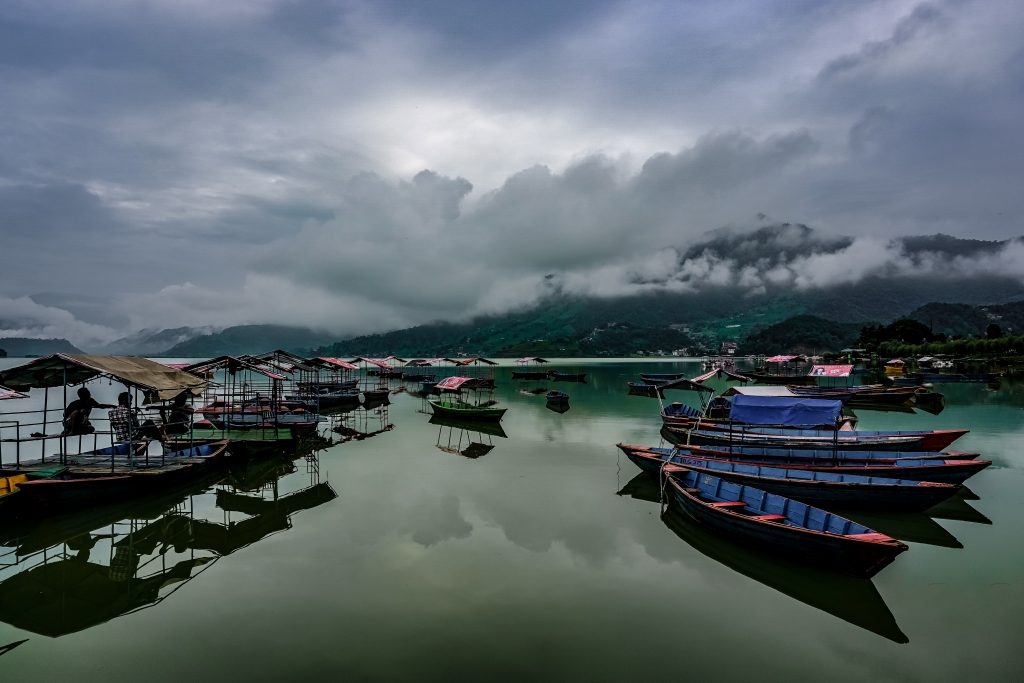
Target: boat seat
x,y
729,504
768,518
693,491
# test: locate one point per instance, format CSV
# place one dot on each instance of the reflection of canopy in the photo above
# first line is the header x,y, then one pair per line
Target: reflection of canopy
x,y
66,596
531,359
831,370
489,428
6,393
777,410
64,368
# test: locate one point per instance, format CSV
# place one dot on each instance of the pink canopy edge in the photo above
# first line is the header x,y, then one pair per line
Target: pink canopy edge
x,y
831,370
6,393
452,383
339,363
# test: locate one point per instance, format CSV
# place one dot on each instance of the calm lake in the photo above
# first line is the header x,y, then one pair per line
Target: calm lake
x,y
544,557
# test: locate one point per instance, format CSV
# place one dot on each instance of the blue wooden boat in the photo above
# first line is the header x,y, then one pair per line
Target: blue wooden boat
x,y
817,487
780,524
555,396
946,471
825,455
715,435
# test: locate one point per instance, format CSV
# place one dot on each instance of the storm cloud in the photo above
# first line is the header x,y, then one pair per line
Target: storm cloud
x,y
357,166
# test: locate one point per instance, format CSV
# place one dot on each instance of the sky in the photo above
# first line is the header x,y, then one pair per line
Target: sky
x,y
361,166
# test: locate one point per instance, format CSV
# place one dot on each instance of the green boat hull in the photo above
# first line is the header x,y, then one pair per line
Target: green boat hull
x,y
456,410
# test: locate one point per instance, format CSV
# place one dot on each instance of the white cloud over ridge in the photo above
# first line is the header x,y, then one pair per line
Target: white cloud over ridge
x,y
263,162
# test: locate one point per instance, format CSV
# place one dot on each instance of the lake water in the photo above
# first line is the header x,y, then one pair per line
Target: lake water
x,y
545,557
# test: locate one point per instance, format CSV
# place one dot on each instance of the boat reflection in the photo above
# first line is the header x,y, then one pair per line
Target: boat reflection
x,y
854,600
468,439
914,527
77,571
363,422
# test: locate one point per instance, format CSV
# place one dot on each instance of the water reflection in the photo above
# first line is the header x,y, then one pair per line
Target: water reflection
x,y
67,573
914,527
363,422
849,598
465,438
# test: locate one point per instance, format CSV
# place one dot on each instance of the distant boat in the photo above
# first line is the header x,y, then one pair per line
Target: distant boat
x,y
555,396
580,377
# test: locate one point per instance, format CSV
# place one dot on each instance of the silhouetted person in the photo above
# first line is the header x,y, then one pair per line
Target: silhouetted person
x,y
76,415
179,417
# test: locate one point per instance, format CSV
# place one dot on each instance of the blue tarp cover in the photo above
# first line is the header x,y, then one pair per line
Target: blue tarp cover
x,y
779,410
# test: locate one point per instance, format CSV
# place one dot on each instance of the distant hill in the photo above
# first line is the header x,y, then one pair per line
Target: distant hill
x,y
152,342
962,320
244,339
23,346
802,334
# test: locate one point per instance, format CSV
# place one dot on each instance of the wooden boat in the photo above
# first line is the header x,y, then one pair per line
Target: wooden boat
x,y
11,480
863,395
555,396
460,410
84,484
779,523
530,374
642,389
569,376
714,435
815,486
376,395
766,378
945,471
656,378
826,455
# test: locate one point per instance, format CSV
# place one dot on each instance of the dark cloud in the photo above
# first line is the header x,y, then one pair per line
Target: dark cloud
x,y
218,163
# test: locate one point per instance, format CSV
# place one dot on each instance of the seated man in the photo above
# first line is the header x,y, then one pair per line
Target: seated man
x,y
76,415
125,425
179,416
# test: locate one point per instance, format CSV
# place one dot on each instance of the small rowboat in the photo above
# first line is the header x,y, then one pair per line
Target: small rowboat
x,y
655,378
779,523
814,486
713,435
824,455
948,471
555,396
460,410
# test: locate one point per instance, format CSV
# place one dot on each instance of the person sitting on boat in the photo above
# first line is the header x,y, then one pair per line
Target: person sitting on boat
x,y
76,415
179,417
125,425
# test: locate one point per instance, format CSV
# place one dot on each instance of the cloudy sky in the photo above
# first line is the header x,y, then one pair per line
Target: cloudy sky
x,y
357,166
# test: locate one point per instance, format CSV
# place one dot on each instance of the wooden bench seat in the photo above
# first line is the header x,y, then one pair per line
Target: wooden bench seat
x,y
769,518
729,504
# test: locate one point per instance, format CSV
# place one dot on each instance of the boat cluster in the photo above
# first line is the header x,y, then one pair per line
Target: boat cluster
x,y
769,465
174,422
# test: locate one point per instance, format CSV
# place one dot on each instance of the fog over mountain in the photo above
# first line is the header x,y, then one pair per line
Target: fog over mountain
x,y
354,167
